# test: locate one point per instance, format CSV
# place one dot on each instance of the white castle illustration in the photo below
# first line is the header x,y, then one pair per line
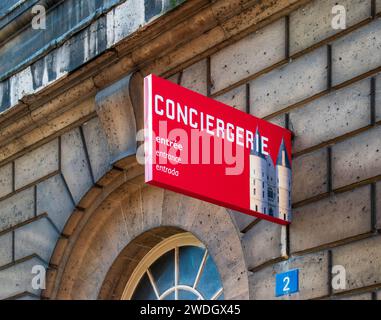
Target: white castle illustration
x,y
270,188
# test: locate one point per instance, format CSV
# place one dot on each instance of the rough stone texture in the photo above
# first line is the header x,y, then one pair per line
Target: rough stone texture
x,y
174,78
5,180
17,209
97,148
279,120
378,205
362,262
38,237
357,158
242,220
248,56
5,249
18,278
235,98
312,23
331,116
309,175
332,219
194,77
75,168
289,84
357,53
360,296
378,98
378,6
50,193
378,295
313,278
264,242
117,118
36,164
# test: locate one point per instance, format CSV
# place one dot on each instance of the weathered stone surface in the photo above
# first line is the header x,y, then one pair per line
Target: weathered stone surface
x,y
18,278
264,242
362,262
5,249
248,56
313,278
36,164
235,98
241,220
289,84
357,158
38,237
378,295
97,147
309,175
279,120
5,180
378,5
378,205
332,219
16,209
174,78
331,116
54,199
378,98
74,164
357,53
194,77
117,118
312,23
360,296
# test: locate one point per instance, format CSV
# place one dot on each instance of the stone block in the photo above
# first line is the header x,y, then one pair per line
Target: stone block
x,y
309,175
313,278
359,296
264,242
378,205
357,53
17,209
38,237
235,98
97,147
36,164
6,180
312,23
289,84
378,98
6,255
75,167
248,56
194,77
331,116
330,220
241,220
17,279
50,193
357,158
362,262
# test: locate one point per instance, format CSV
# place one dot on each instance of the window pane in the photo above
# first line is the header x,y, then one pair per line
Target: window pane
x,y
190,260
144,290
210,281
163,271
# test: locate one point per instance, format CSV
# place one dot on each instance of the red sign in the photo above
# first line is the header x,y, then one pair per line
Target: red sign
x,y
203,148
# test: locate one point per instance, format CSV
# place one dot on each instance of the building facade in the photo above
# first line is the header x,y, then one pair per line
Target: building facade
x,y
72,196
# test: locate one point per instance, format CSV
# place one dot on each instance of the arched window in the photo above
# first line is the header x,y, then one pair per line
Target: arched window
x,y
178,268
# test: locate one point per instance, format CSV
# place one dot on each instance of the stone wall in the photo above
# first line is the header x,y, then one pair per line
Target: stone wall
x,y
323,84
39,191
297,72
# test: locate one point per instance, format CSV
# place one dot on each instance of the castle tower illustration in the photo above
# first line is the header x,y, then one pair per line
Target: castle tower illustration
x,y
258,179
270,187
283,173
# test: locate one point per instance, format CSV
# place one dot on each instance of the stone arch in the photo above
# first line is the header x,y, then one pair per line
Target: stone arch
x,y
87,260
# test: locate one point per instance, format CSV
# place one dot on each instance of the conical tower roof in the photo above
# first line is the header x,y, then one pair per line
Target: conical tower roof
x,y
280,161
253,151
